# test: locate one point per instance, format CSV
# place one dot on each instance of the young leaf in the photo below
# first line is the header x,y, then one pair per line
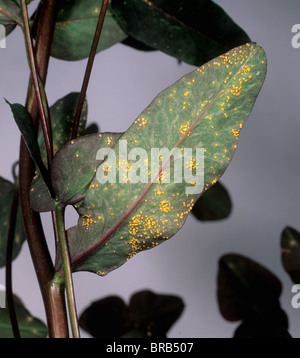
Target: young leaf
x,y
75,27
202,112
78,160
246,289
10,16
6,197
290,253
26,127
62,119
193,31
214,204
62,114
148,315
30,327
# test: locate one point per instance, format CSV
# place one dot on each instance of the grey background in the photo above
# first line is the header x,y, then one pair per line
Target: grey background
x,y
263,177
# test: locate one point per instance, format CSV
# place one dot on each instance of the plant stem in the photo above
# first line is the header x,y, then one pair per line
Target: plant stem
x,y
8,264
64,252
38,86
52,294
89,66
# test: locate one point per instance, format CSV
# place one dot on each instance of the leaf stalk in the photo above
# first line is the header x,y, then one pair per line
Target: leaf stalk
x,y
65,257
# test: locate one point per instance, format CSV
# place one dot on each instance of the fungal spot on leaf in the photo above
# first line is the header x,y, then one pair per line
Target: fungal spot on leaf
x,y
165,206
86,221
185,129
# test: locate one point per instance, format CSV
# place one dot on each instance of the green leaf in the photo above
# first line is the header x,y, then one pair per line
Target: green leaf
x,y
214,204
137,45
204,110
155,314
148,315
19,2
77,160
30,327
93,128
6,196
290,253
75,28
247,289
10,16
106,318
62,114
26,127
193,31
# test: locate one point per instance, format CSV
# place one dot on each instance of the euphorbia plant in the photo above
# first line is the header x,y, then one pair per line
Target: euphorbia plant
x,y
132,190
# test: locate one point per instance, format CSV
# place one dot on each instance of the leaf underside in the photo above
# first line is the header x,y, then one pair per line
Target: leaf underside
x,y
204,109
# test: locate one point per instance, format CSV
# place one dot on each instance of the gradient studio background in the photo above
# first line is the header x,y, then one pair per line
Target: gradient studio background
x,y
263,177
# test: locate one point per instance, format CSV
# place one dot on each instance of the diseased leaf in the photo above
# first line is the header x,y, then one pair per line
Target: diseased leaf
x,y
6,196
290,253
214,204
247,289
30,327
148,315
10,16
193,31
78,160
62,114
75,28
201,114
